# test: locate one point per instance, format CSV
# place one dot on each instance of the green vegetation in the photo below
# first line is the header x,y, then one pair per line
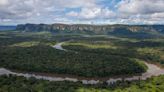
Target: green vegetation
x,y
21,84
26,44
35,54
147,50
44,58
95,56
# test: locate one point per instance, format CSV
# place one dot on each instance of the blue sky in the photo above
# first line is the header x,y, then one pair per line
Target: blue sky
x,y
14,12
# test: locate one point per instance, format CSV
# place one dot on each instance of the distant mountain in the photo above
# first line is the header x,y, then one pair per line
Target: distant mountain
x,y
3,28
94,29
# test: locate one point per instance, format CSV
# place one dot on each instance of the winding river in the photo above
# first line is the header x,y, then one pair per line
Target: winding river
x,y
153,70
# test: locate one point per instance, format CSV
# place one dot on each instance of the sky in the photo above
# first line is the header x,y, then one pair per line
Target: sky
x,y
13,12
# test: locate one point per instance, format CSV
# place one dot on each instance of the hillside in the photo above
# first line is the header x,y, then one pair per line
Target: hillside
x,y
135,31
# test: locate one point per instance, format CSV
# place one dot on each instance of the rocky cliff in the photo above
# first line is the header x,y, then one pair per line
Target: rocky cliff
x,y
92,29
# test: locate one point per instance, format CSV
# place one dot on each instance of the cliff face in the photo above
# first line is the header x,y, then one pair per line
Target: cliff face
x,y
92,29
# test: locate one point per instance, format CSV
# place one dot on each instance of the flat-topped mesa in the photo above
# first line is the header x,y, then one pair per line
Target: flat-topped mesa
x,y
92,29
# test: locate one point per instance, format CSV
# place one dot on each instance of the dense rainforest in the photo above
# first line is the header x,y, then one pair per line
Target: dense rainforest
x,y
37,55
89,56
150,50
21,84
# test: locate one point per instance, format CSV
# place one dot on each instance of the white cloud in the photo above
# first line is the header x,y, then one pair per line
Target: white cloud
x,y
126,11
75,3
141,6
3,2
140,11
89,13
158,15
92,13
11,9
72,14
107,13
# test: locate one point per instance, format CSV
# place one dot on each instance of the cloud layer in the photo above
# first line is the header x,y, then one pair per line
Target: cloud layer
x,y
82,11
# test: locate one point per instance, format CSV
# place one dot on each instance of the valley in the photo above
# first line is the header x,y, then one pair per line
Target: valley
x,y
96,60
81,45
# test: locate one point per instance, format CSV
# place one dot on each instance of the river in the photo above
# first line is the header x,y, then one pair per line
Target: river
x,y
153,70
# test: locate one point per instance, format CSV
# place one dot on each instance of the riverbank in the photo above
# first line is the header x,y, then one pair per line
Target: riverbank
x,y
153,70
